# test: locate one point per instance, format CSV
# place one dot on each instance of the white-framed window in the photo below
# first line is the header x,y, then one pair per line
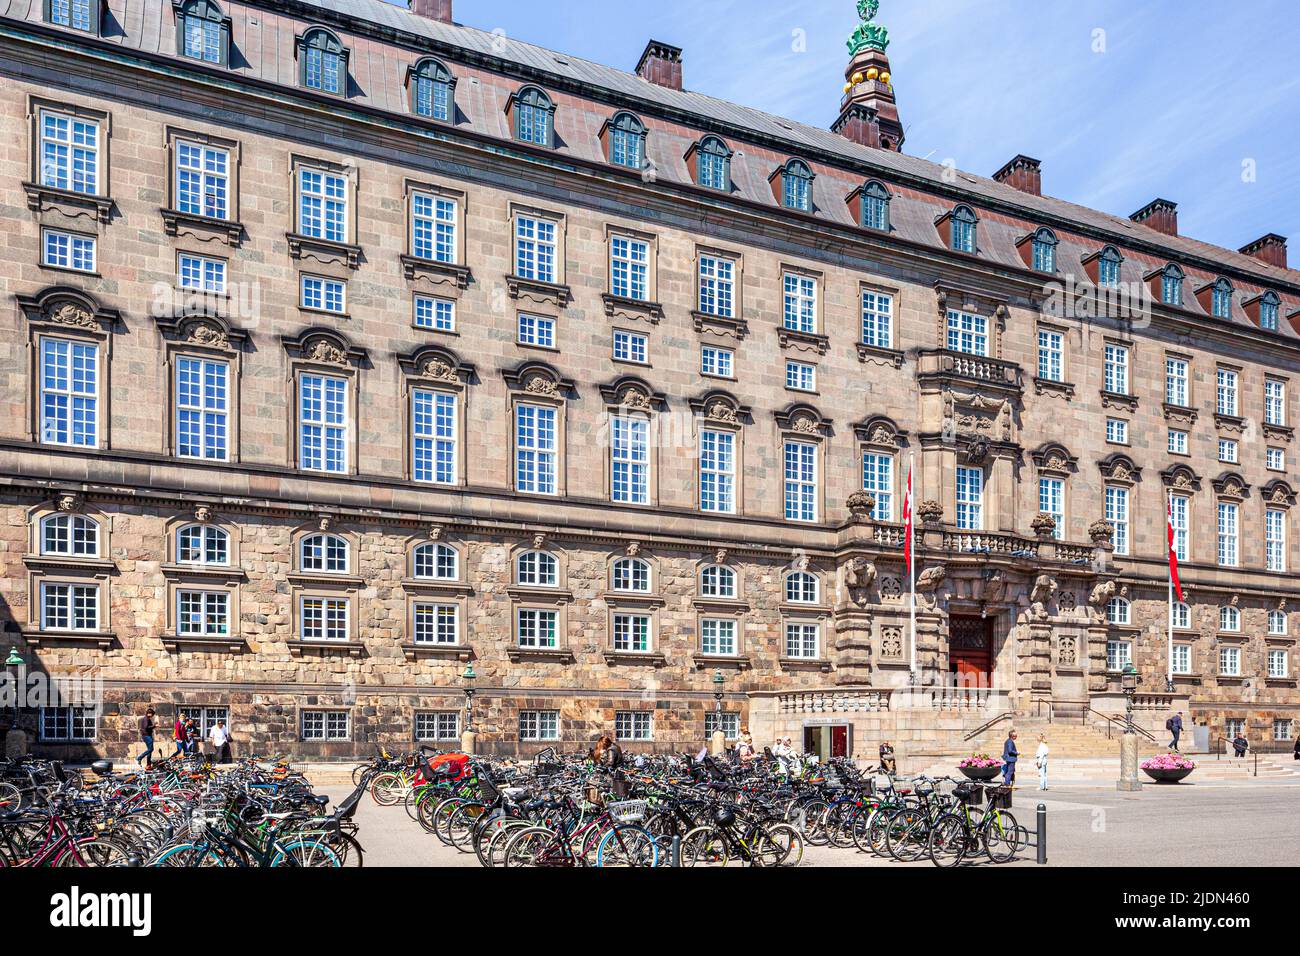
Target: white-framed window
x,y
323,295
203,544
970,498
322,204
968,333
634,725
632,633
326,725
433,436
1119,611
435,623
437,725
322,422
203,613
1117,515
800,376
631,347
61,725
1179,518
536,445
538,569
629,267
1281,728
536,330
799,311
202,180
323,618
202,408
1228,450
717,470
1225,392
801,587
1176,381
1177,442
1182,658
718,581
69,152
718,636
1278,666
533,117
202,30
1043,250
802,640
1117,431
1051,355
1230,661
324,553
800,481
1108,269
435,312
1228,550
69,535
717,286
630,459
878,481
69,607
324,66
1229,618
434,220
1275,459
631,574
1171,286
1180,616
68,250
436,561
1274,402
539,725
1277,623
1234,727
1051,501
1118,655
728,723
69,392
962,225
535,248
1117,369
1274,539
717,362
201,273
877,319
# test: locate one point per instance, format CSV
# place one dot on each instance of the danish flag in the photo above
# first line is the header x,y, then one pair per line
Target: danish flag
x,y
1173,554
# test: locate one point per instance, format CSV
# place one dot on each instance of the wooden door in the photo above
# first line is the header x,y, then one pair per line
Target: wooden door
x,y
970,650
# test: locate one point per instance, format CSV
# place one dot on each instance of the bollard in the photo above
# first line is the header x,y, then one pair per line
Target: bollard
x,y
675,854
1041,842
134,861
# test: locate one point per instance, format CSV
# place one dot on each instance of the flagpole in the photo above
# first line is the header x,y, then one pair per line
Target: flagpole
x,y
1169,650
911,564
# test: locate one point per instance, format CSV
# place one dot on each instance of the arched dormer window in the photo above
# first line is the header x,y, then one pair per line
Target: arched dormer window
x,y
435,561
963,229
538,569
1119,611
712,163
534,116
323,552
202,544
718,581
75,14
322,61
1171,284
430,85
67,535
202,32
1043,246
1108,267
631,574
875,206
801,587
1269,305
1180,616
1221,299
796,186
1229,618
626,141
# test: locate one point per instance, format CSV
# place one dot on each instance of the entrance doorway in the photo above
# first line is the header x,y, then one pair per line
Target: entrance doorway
x,y
829,741
970,651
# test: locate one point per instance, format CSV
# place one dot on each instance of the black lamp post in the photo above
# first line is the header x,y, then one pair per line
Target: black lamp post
x,y
15,662
718,681
1128,682
468,676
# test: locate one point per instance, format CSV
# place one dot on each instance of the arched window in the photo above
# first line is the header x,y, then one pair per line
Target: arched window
x,y
626,136
1119,611
963,229
431,86
631,574
1221,299
202,544
1171,285
437,561
875,206
1277,622
203,32
322,61
801,588
70,535
1268,310
534,113
1229,618
718,581
713,164
1108,267
1180,616
537,569
323,552
796,186
1044,250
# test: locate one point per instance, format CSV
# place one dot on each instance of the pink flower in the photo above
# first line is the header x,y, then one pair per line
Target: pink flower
x,y
979,761
1168,761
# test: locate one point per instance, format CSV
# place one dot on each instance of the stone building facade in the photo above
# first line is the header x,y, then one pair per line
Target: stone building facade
x,y
345,353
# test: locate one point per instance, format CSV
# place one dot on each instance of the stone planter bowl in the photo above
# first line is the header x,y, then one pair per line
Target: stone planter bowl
x,y
981,773
1168,776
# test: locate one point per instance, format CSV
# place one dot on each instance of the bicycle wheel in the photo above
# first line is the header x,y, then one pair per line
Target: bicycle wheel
x,y
307,853
527,847
899,831
386,789
1001,836
704,846
188,855
95,851
11,798
947,841
627,846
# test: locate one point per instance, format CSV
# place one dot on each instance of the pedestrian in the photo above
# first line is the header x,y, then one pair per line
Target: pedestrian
x,y
1009,756
1240,745
178,735
1297,749
607,752
146,726
887,761
220,740
1175,727
745,746
192,736
1040,761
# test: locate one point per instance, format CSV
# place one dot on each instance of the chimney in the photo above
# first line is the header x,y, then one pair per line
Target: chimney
x,y
1022,173
661,64
439,10
1270,249
860,124
1160,215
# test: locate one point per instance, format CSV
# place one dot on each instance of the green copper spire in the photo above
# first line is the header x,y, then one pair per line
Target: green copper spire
x,y
868,35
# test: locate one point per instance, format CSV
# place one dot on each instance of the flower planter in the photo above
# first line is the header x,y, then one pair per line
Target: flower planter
x,y
981,773
1168,776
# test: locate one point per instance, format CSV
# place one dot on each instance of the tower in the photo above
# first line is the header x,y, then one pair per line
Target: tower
x,y
868,113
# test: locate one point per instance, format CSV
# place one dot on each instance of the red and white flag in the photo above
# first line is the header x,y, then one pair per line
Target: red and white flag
x,y
907,523
1173,554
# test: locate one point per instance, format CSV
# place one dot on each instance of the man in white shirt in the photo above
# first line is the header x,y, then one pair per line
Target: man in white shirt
x,y
219,737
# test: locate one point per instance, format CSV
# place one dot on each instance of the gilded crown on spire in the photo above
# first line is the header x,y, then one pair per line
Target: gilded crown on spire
x,y
868,35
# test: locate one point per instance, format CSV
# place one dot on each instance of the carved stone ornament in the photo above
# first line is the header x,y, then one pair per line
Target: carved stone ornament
x,y
634,548
1067,601
325,522
1068,654
891,588
202,514
1102,593
1182,480
805,425
326,352
720,556
891,642
539,540
1044,588
541,385
71,314
721,411
440,370
635,398
861,504
205,333
800,561
1101,531
931,578
995,589
436,532
859,575
930,511
70,502
883,435
1043,524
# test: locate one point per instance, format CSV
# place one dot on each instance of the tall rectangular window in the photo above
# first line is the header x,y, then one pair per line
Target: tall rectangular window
x,y
877,319
322,70
1176,381
1117,515
1118,654
69,153
1182,658
324,618
629,267
1274,402
69,607
535,449
433,227
717,471
802,640
1177,442
1230,661
1051,355
718,636
878,481
202,180
1268,313
630,459
1277,669
800,481
323,205
625,148
68,250
1117,369
968,333
434,623
1275,539
1051,501
535,248
1275,459
69,393
202,39
433,436
717,286
800,303
202,408
970,498
535,627
1117,431
1179,512
1227,534
1221,301
323,423
632,633
1226,392
203,613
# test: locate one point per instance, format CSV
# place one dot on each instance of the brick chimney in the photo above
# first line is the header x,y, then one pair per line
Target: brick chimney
x,y
439,10
1159,214
661,64
1022,173
1270,249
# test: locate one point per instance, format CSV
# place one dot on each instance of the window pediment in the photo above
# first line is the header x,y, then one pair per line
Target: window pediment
x,y
803,419
1278,493
1121,468
538,378
632,393
1231,485
881,432
722,407
325,347
1181,478
1053,458
68,308
437,365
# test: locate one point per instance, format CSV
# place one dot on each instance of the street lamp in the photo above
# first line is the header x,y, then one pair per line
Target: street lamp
x,y
15,661
468,676
1128,683
718,681
1128,750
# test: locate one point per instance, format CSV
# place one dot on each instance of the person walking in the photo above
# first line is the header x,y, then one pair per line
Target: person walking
x,y
1009,756
146,727
1175,726
1040,761
178,735
219,737
1240,745
1296,749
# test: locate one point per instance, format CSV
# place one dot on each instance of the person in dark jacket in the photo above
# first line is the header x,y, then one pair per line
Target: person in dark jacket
x,y
1009,756
1175,726
146,726
1297,748
1240,745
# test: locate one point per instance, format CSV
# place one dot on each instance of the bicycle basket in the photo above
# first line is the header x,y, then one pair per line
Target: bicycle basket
x,y
628,811
968,793
999,798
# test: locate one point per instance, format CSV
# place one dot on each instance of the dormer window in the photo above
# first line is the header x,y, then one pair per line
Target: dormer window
x,y
713,164
533,113
76,14
1268,311
796,186
1044,250
1108,267
1221,299
875,206
963,229
431,86
1171,285
626,136
322,62
202,31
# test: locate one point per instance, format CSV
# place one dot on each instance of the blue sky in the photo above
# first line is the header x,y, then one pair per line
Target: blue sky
x,y
1185,97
